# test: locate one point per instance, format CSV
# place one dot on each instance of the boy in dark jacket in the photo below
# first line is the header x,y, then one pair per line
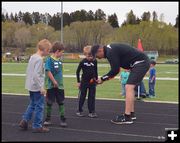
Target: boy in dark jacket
x,y
87,82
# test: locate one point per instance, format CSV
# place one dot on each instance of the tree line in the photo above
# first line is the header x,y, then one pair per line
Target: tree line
x,y
23,30
80,15
55,20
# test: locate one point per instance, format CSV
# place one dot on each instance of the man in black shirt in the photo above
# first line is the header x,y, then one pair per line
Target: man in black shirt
x,y
87,82
127,57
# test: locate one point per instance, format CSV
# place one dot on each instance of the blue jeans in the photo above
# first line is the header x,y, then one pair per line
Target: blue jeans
x,y
36,105
123,89
151,88
142,88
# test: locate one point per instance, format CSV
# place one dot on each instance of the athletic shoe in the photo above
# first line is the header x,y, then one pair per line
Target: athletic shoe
x,y
92,115
122,119
143,95
47,122
151,96
41,130
80,114
133,117
63,122
23,124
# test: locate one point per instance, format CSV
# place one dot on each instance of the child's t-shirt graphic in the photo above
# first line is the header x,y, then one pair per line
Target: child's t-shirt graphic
x,y
56,68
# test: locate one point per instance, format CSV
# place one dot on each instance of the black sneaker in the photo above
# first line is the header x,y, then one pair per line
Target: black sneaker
x,y
47,122
23,125
63,122
80,114
122,119
133,117
92,115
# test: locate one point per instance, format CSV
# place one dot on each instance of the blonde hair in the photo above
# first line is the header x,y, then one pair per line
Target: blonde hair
x,y
87,50
44,44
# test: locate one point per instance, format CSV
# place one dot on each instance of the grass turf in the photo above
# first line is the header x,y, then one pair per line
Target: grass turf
x,y
165,90
163,70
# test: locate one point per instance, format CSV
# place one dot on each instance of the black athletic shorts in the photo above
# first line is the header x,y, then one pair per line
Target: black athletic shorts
x,y
55,94
138,71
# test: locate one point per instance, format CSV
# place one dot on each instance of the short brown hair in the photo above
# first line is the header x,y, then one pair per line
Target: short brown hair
x,y
57,46
87,50
43,44
153,62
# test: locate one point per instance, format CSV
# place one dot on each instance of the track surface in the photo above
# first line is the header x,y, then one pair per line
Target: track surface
x,y
152,119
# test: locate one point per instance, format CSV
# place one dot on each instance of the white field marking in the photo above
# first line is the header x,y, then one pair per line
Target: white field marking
x,y
14,63
96,132
74,76
111,99
172,72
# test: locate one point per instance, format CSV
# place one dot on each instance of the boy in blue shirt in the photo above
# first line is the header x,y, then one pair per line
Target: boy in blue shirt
x,y
54,83
124,77
152,79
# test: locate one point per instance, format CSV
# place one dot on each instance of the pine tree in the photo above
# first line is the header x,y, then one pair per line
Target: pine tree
x,y
16,17
36,17
7,16
131,18
113,20
3,17
27,18
90,15
11,17
20,16
177,22
155,17
146,16
100,15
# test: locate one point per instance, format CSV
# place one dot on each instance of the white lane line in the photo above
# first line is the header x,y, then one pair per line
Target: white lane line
x,y
74,76
98,98
98,132
98,119
109,133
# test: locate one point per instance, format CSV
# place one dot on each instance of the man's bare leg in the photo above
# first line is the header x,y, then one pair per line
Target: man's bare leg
x,y
130,93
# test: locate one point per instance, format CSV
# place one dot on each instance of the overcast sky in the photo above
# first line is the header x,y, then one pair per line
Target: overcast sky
x,y
169,9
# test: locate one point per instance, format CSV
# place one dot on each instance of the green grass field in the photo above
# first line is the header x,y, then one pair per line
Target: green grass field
x,y
163,70
166,90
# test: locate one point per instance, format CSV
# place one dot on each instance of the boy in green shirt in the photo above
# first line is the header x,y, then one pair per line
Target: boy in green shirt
x,y
54,83
124,77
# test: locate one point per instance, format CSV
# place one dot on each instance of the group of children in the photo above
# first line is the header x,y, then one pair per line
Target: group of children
x,y
52,85
47,61
152,80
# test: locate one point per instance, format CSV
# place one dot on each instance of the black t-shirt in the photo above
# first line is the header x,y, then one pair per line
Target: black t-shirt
x,y
89,71
121,55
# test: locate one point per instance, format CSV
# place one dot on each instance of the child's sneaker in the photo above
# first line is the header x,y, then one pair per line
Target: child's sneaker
x,y
41,130
23,125
92,115
63,122
151,96
133,117
47,122
79,114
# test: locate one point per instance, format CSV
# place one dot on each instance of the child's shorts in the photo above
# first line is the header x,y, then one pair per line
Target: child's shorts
x,y
55,94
